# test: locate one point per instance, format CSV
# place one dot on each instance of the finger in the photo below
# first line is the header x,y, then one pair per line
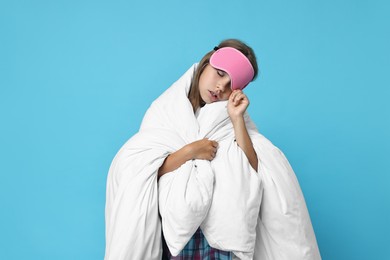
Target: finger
x,y
233,95
238,98
236,91
213,150
242,96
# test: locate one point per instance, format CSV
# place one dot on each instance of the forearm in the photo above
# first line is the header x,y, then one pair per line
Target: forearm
x,y
174,161
203,149
244,142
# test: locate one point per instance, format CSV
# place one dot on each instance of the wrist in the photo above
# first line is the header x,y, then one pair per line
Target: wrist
x,y
187,152
237,119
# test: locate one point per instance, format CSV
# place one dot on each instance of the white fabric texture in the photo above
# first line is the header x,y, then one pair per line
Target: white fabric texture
x,y
256,215
222,196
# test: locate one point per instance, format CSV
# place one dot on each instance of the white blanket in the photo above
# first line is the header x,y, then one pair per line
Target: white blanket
x,y
256,215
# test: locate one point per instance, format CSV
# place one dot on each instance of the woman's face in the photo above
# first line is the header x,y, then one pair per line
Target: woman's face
x,y
214,85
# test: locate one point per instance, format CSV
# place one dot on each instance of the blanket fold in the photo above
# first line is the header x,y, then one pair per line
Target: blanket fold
x,y
231,197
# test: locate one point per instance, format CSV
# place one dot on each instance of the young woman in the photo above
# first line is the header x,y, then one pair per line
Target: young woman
x,y
199,179
212,83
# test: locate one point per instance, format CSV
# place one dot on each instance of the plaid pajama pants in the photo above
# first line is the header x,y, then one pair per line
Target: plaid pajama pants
x,y
197,249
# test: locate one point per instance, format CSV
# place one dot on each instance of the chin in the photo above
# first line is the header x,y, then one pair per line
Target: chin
x,y
206,101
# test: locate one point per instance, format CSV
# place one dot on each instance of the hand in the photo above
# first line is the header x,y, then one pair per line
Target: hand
x,y
204,149
237,104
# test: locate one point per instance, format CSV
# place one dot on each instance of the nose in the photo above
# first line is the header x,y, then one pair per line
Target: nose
x,y
223,85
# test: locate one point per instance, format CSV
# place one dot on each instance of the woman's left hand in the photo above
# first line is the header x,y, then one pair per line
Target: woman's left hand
x,y
237,104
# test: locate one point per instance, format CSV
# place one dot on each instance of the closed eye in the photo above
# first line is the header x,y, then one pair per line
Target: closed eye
x,y
221,73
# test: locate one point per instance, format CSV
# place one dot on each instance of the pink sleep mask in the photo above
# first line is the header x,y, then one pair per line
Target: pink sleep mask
x,y
234,63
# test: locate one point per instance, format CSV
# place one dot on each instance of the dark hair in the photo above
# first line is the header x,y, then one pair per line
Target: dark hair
x,y
194,94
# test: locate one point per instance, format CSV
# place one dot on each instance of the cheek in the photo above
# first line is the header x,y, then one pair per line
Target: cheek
x,y
201,85
203,80
208,77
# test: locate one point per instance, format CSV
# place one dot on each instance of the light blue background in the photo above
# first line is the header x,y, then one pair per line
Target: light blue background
x,y
77,76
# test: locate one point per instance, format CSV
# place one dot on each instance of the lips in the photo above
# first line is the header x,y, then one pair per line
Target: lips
x,y
214,96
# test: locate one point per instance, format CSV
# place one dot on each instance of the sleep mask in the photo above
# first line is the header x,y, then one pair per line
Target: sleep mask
x,y
235,64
